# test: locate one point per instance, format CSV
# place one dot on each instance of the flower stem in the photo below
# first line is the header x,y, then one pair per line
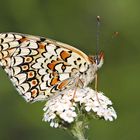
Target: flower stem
x,y
78,130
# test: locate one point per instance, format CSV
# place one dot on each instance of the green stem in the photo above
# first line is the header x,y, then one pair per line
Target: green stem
x,y
78,130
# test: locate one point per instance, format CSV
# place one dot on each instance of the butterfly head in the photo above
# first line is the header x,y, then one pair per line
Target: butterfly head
x,y
98,59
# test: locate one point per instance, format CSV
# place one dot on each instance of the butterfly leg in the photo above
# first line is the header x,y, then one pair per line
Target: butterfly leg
x,y
96,82
70,83
96,87
78,82
76,86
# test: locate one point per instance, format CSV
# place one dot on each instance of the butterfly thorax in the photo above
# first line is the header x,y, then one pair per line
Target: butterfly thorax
x,y
89,75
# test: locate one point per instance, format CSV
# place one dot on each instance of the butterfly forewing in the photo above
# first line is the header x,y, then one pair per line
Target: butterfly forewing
x,y
40,67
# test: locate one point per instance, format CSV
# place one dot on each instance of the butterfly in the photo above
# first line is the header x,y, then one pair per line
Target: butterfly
x,y
41,68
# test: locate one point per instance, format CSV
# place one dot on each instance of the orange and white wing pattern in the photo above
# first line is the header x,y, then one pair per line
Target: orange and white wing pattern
x,y
40,67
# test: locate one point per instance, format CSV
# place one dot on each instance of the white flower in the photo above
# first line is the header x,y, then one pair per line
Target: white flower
x,y
64,109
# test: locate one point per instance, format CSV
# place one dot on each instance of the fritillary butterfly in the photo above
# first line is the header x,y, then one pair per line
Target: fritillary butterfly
x,y
40,67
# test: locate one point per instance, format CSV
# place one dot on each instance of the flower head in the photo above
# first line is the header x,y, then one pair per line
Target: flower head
x,y
67,107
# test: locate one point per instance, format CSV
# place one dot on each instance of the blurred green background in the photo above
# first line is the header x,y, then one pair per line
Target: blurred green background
x,y
74,22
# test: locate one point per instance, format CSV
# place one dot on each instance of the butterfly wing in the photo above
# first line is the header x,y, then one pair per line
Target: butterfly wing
x,y
40,67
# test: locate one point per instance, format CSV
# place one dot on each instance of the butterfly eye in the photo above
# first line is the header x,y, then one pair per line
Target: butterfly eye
x,y
98,58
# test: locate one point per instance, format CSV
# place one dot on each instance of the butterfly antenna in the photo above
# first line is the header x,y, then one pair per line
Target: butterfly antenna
x,y
97,49
97,34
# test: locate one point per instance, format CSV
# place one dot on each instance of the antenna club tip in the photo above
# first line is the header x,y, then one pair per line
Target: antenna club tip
x,y
98,18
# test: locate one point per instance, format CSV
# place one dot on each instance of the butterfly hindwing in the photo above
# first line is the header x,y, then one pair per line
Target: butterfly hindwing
x,y
39,67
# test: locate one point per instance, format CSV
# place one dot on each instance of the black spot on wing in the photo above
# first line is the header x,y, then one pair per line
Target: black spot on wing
x,y
78,58
75,62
